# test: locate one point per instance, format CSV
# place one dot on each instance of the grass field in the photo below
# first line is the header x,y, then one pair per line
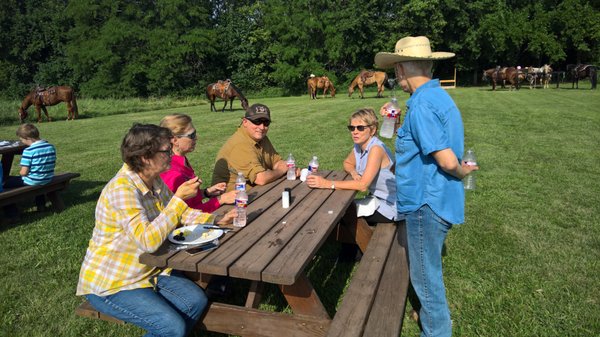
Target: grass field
x,y
525,263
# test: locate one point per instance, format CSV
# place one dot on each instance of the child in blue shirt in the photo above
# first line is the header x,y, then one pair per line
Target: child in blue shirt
x,y
37,162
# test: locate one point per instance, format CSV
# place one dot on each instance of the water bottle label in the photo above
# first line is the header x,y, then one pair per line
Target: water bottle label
x,y
241,203
312,169
291,164
471,163
240,186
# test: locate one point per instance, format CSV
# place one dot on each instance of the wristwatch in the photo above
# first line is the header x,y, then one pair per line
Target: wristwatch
x,y
332,185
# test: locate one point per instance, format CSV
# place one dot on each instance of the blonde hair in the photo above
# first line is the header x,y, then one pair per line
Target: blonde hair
x,y
177,123
367,115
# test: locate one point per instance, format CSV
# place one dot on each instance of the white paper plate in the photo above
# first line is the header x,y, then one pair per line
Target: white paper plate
x,y
195,235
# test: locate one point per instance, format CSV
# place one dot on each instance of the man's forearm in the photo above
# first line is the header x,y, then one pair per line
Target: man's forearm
x,y
268,176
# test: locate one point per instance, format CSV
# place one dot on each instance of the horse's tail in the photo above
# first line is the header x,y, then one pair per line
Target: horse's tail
x,y
593,76
386,83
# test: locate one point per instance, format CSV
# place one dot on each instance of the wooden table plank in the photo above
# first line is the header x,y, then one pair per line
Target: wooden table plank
x,y
218,262
242,321
287,265
387,313
166,252
282,231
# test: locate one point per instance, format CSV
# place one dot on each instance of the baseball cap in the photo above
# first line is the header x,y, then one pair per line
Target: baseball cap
x,y
258,111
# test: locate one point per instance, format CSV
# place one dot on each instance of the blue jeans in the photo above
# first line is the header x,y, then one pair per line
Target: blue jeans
x,y
426,234
171,310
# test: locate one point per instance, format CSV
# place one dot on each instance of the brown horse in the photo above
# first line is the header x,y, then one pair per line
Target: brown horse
x,y
226,91
323,82
495,75
515,76
366,78
581,71
42,97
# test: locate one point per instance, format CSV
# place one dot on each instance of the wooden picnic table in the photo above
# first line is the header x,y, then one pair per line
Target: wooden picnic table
x,y
8,153
275,247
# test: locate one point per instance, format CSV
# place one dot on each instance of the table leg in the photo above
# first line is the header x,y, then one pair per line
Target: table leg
x,y
303,299
354,230
7,160
254,295
200,279
56,201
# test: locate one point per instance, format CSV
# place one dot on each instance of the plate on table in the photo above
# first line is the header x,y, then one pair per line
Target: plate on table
x,y
194,235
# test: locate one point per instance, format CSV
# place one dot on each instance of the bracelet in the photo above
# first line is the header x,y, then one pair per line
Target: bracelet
x,y
205,194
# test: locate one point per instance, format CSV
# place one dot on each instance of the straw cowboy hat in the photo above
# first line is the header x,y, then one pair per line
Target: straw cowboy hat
x,y
410,48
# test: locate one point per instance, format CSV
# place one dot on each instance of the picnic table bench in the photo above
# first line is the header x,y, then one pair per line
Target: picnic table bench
x,y
373,304
375,300
58,183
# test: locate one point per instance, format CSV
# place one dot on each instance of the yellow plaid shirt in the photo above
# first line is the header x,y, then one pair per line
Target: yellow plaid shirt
x,y
131,220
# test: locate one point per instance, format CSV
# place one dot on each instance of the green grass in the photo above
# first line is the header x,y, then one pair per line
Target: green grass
x,y
525,263
90,107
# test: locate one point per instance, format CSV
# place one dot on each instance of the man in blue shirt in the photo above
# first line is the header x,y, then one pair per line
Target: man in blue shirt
x,y
429,171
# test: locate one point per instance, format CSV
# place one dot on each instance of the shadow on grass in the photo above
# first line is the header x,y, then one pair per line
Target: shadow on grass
x,y
326,274
78,192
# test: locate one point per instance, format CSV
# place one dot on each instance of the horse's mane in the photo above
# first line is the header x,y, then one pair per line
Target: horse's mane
x,y
238,91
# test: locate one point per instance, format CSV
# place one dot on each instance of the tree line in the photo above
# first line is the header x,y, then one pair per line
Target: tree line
x,y
140,48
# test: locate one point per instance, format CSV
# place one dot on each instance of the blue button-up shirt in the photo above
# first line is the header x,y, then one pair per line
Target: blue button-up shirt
x,y
432,123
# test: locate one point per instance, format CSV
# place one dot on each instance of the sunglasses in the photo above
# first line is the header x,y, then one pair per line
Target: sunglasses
x,y
168,152
191,136
264,122
360,128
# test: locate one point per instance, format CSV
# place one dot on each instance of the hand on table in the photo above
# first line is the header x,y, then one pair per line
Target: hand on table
x,y
227,219
315,181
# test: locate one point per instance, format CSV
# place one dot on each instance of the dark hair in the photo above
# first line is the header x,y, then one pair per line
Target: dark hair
x,y
28,131
143,141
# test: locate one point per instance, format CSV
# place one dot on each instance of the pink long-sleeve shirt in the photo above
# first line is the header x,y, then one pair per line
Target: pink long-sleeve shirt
x,y
178,174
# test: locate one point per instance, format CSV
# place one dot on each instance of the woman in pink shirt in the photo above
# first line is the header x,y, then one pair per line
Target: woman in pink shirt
x,y
184,142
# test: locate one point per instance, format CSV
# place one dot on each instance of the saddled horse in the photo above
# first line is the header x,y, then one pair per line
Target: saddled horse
x,y
582,71
495,75
514,76
226,91
322,82
366,78
43,97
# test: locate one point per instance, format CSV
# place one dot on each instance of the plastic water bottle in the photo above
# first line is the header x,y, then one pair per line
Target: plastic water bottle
x,y
291,165
389,120
241,202
313,166
469,181
240,182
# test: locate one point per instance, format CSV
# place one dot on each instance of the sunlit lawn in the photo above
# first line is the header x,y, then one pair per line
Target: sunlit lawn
x,y
525,263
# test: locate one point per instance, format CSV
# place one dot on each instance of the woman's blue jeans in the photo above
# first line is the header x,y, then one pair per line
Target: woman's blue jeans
x,y
171,310
426,234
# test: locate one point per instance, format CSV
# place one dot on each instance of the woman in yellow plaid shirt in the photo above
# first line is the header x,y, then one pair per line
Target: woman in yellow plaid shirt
x,y
134,215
